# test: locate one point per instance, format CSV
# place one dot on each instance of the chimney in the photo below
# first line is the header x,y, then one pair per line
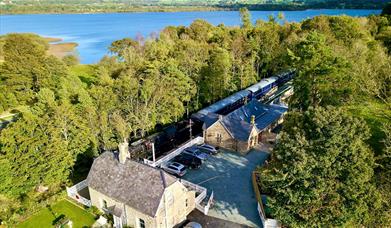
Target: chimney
x,y
123,151
252,120
220,117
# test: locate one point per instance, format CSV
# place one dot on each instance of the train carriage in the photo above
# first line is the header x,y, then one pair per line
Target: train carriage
x,y
237,99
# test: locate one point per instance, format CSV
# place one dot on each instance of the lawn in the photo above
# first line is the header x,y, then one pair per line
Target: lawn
x,y
45,217
85,72
375,114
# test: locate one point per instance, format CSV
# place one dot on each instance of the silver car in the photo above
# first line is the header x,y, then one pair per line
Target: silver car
x,y
176,169
208,148
194,151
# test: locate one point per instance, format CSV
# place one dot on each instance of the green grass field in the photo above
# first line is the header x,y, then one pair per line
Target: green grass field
x,y
45,217
84,72
375,114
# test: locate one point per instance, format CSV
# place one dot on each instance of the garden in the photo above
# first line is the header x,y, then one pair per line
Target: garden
x,y
58,214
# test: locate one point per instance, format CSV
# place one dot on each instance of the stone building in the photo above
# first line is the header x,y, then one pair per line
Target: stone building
x,y
136,194
244,128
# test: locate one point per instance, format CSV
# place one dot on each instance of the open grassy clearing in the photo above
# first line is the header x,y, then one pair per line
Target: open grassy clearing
x,y
85,72
45,217
376,114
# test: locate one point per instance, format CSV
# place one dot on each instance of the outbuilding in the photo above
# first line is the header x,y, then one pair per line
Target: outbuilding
x,y
244,128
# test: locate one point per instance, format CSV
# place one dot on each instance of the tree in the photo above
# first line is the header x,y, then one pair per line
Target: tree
x,y
41,147
27,68
245,17
321,77
320,171
70,60
383,173
217,81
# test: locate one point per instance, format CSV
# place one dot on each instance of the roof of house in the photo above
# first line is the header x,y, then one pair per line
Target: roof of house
x,y
134,184
238,122
210,119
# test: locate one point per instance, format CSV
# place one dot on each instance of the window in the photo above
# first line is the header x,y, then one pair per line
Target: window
x,y
141,223
219,137
187,202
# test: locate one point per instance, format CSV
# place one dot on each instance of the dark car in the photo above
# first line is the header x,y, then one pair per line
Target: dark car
x,y
188,161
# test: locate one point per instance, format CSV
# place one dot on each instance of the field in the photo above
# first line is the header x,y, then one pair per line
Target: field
x,y
45,217
375,114
84,72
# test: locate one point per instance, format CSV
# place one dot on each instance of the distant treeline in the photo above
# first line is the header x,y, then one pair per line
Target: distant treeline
x,y
88,6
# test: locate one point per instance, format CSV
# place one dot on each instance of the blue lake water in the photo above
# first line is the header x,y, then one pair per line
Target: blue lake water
x,y
95,32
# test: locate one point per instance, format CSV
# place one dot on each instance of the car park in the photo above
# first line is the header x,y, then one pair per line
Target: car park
x,y
194,151
189,161
176,169
208,149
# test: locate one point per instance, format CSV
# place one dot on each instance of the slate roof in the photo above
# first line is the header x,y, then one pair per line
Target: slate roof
x,y
210,119
239,129
238,121
134,184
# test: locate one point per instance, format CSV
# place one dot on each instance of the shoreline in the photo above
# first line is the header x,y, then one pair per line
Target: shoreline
x,y
59,48
55,46
178,9
140,12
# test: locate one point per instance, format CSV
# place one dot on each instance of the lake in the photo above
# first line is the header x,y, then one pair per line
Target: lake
x,y
95,32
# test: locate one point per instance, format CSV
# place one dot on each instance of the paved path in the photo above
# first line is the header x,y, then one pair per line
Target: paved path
x,y
228,175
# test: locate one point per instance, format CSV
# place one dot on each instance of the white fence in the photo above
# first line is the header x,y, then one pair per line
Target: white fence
x,y
175,152
261,213
201,190
210,201
73,193
201,196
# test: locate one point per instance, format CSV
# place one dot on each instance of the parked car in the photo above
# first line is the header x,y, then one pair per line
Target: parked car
x,y
193,225
208,148
189,161
194,151
176,169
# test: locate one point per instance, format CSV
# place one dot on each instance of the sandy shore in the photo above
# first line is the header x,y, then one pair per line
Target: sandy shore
x,y
59,48
56,47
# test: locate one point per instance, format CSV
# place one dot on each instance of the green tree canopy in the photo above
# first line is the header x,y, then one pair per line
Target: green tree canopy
x,y
320,172
41,147
27,68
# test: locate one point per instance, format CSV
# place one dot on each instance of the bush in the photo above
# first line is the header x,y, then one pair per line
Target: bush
x,y
95,211
70,60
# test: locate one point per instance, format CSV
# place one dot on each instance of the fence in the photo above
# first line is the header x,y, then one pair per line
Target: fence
x,y
73,192
201,190
267,223
175,152
202,195
260,208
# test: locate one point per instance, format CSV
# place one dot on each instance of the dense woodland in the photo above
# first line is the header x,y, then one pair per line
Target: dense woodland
x,y
331,166
92,6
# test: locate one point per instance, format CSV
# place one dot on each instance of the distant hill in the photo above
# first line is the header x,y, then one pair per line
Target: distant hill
x,y
94,6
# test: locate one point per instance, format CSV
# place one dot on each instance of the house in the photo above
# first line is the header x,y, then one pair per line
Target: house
x,y
244,128
137,195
